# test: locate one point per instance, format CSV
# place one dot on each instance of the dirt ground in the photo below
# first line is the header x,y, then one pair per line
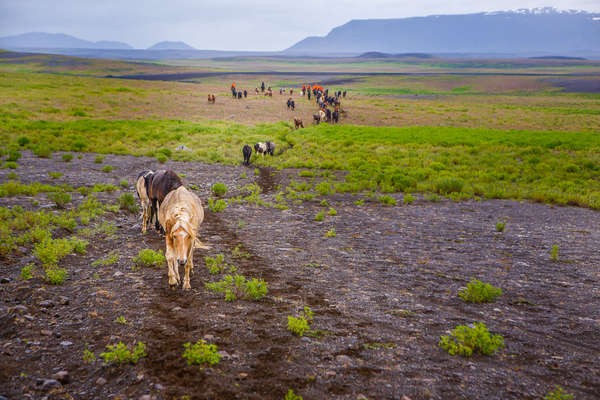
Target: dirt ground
x,y
382,292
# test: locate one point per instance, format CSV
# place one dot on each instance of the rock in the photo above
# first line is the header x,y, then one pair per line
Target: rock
x,y
175,309
305,339
66,343
28,317
64,300
45,332
5,280
20,308
62,376
118,274
209,338
139,377
158,386
330,373
100,381
57,334
46,303
3,398
225,355
39,381
50,383
93,314
344,360
405,397
145,397
182,148
242,375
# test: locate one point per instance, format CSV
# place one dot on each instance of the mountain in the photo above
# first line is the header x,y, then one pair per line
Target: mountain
x,y
41,40
537,31
171,46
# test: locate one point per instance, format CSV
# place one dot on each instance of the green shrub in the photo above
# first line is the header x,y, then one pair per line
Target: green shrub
x,y
217,206
50,251
301,324
112,258
149,258
449,185
99,158
27,272
292,396
107,168
55,175
61,199
558,394
162,158
124,183
466,340
237,286
23,141
127,202
55,275
12,175
215,265
121,320
331,232
359,203
306,173
433,197
387,200
324,203
13,155
323,188
554,253
320,216
10,165
500,226
219,189
479,292
42,151
201,353
120,353
332,212
67,157
88,356
408,199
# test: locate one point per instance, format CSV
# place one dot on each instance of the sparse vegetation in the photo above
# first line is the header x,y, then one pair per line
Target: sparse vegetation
x,y
301,324
237,286
331,232
500,226
219,189
127,202
201,353
61,199
408,199
121,320
466,340
67,157
479,292
27,272
558,394
55,175
56,275
387,200
107,168
121,354
320,216
99,158
292,396
124,184
217,205
215,265
112,258
88,356
554,253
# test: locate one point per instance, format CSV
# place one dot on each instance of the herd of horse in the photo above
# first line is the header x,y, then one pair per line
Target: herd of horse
x,y
177,212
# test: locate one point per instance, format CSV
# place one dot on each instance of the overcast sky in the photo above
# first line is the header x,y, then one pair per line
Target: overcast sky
x,y
229,24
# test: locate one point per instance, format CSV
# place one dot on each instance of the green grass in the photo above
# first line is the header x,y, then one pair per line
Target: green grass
x,y
121,354
201,353
479,292
149,258
466,340
237,286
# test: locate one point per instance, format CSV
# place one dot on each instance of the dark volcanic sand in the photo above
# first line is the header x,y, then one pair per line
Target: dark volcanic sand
x,y
390,275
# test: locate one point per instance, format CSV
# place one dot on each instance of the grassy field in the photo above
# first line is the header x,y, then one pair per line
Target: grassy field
x,y
463,136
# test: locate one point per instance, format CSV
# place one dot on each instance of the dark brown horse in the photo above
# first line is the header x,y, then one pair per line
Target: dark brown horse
x,y
158,186
298,122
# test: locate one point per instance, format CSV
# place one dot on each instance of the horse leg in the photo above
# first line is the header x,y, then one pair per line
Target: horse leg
x,y
171,265
144,217
189,266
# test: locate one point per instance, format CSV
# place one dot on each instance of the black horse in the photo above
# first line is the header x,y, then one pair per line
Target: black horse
x,y
247,152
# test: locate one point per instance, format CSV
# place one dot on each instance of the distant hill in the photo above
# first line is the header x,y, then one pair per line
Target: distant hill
x,y
526,32
41,40
171,46
377,54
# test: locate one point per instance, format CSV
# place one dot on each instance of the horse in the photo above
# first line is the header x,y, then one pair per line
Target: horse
x,y
298,122
261,148
142,192
245,93
211,98
335,116
316,118
247,152
181,214
158,186
270,148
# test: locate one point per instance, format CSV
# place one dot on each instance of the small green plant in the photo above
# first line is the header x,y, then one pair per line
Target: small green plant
x,y
219,189
55,275
165,151
112,258
67,157
554,252
23,141
558,394
449,185
387,200
256,171
320,216
433,197
237,252
127,202
50,251
121,354
359,203
10,165
217,206
194,187
149,258
55,175
237,286
292,396
201,353
479,292
332,212
88,356
241,224
331,232
107,168
301,324
27,272
42,151
466,340
13,155
215,265
99,158
162,158
306,173
121,320
124,184
500,226
324,203
61,199
323,188
12,175
408,199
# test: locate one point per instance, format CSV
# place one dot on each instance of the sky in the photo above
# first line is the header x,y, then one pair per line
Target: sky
x,y
257,25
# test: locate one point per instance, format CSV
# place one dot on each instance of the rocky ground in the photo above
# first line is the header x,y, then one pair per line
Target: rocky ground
x,y
382,291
